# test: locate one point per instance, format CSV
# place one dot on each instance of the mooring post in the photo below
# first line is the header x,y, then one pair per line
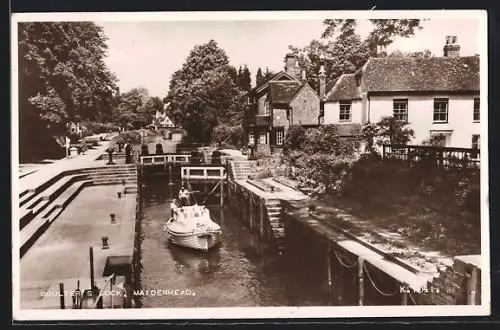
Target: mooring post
x,y
404,298
221,182
252,207
361,284
61,295
262,207
471,287
329,269
91,253
170,175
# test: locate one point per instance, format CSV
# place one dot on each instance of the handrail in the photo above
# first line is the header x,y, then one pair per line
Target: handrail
x,y
186,172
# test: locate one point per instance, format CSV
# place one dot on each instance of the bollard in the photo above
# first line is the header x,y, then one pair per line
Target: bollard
x,y
123,182
105,244
272,189
113,217
61,296
119,195
312,208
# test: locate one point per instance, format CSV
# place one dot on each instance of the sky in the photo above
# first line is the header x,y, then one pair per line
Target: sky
x,y
146,54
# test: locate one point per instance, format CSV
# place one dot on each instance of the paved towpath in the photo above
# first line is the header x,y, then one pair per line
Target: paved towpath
x,y
61,255
48,171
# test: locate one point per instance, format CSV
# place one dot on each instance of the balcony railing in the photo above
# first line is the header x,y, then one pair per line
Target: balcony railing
x,y
441,157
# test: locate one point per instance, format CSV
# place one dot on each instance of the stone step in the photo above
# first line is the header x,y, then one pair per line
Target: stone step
x,y
35,228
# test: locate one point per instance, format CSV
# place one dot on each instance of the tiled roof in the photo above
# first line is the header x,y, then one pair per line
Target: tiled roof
x,y
410,74
282,92
422,74
344,89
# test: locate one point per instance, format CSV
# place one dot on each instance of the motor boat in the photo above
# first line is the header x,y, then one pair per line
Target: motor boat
x,y
192,227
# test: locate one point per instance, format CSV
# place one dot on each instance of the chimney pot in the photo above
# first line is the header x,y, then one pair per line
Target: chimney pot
x,y
451,48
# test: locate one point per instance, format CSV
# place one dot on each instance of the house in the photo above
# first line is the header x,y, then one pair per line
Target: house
x,y
437,96
161,120
285,100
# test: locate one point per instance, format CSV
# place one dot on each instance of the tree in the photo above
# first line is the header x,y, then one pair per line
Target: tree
x,y
136,109
383,33
419,54
259,78
62,78
391,131
344,55
203,94
233,74
244,79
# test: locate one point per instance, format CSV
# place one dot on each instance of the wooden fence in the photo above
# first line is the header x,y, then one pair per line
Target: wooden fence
x,y
441,157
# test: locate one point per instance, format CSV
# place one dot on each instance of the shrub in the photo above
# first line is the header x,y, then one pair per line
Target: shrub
x,y
130,137
225,135
293,139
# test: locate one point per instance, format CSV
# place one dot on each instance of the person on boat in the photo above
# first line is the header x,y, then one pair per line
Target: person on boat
x,y
173,207
184,196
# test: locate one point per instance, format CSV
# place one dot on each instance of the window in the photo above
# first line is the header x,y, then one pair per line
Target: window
x,y
476,110
251,138
440,110
263,138
345,111
476,141
266,108
249,100
400,108
280,136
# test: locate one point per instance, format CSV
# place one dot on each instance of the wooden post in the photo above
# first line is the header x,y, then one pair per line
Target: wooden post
x,y
61,295
471,287
329,269
361,284
170,175
404,298
262,206
221,182
91,252
252,209
111,289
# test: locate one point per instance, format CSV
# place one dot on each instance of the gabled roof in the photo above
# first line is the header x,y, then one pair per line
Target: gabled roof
x,y
344,89
283,92
279,75
409,74
422,74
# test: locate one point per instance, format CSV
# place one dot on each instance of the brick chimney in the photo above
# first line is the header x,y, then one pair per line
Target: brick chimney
x,y
290,63
303,77
322,82
451,48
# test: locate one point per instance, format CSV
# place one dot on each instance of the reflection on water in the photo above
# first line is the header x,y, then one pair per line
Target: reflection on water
x,y
241,272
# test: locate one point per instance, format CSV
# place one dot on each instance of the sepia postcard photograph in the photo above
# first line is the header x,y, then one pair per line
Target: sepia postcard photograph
x,y
249,165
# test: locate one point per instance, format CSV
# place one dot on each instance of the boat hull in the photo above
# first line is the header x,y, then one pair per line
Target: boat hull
x,y
199,241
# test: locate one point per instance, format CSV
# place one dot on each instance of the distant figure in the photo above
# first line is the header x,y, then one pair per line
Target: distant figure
x,y
173,207
128,153
184,196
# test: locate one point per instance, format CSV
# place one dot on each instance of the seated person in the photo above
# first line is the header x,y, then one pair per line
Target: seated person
x,y
184,196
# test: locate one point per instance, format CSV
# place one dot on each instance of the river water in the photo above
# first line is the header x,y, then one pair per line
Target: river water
x,y
241,272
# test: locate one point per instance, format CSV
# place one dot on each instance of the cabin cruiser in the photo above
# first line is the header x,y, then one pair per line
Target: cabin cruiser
x,y
191,226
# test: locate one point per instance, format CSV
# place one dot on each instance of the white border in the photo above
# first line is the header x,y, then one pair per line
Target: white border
x,y
257,312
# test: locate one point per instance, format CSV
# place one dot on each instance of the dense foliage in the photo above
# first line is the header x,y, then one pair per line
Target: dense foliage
x,y
136,109
319,155
387,131
225,135
203,93
62,78
342,50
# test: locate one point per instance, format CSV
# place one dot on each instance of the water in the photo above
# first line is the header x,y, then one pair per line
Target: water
x,y
241,272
